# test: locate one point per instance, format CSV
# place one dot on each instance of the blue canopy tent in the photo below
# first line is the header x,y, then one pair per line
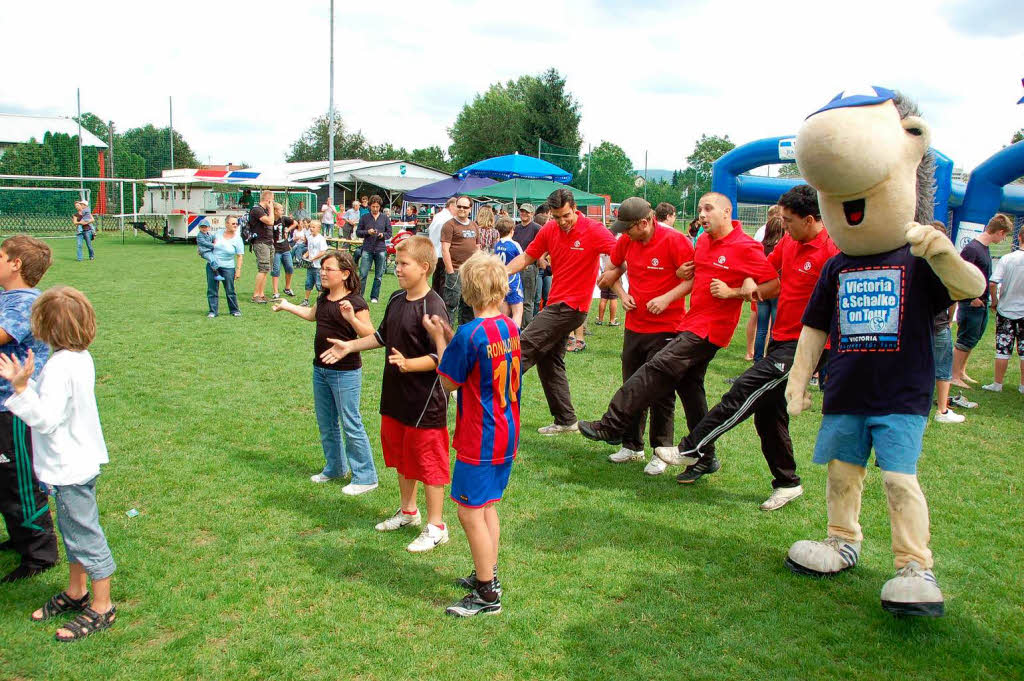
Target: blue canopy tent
x,y
436,193
516,166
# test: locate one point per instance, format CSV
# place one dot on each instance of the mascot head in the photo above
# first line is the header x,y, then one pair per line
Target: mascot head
x,y
866,152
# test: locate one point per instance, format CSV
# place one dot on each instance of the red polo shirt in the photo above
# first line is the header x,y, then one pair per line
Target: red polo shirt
x,y
731,259
651,268
575,259
799,265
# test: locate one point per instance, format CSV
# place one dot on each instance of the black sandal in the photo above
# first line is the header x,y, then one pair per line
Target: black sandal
x,y
87,624
60,604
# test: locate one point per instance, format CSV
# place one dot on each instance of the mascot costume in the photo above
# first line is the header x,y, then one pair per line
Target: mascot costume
x,y
866,153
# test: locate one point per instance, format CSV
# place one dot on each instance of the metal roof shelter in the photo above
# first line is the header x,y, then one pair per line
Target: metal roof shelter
x,y
20,128
393,176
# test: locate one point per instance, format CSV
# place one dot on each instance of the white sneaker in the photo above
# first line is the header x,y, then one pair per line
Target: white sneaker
x,y
822,558
993,387
320,477
430,538
913,591
625,455
556,429
780,497
673,457
949,417
655,466
1020,388
354,490
398,521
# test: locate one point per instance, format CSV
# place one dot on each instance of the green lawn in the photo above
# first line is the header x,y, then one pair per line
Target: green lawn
x,y
238,566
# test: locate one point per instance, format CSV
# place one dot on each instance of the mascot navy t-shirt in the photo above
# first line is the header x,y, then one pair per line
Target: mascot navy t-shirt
x,y
878,310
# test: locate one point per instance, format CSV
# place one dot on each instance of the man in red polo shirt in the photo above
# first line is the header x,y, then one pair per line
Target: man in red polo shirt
x,y
729,267
761,390
575,244
650,253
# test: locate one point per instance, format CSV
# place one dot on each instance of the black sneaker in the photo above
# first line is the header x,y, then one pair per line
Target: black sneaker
x,y
471,582
289,292
472,604
698,470
24,571
592,431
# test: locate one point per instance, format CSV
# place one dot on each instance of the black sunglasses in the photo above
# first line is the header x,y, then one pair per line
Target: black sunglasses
x,y
466,207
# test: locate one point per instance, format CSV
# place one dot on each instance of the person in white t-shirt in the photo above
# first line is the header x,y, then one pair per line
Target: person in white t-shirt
x,y
327,218
434,234
1007,294
68,448
316,247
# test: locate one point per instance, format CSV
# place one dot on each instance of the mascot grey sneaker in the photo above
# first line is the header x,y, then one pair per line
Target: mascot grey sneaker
x,y
822,558
913,591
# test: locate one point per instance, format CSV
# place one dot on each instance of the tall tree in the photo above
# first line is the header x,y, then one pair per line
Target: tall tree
x,y
707,150
1017,136
153,145
491,125
611,171
433,157
511,117
314,143
551,114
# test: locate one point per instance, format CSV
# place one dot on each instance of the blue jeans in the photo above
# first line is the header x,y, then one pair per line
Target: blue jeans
x,y
766,310
212,292
297,252
545,288
379,261
86,236
971,323
313,278
279,260
336,398
79,521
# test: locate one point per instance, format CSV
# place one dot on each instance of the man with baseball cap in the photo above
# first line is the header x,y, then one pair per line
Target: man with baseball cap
x,y
729,267
524,234
650,254
574,243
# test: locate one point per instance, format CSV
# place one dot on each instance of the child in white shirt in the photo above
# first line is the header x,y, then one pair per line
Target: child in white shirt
x,y
316,248
67,441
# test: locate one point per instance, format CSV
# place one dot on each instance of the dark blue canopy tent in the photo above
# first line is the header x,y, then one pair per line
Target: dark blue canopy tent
x,y
436,193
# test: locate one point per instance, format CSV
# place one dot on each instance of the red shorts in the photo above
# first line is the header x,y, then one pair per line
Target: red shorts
x,y
416,453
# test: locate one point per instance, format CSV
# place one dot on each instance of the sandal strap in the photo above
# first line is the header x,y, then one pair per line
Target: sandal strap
x,y
62,603
87,623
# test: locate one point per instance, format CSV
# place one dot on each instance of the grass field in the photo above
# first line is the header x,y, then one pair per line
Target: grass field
x,y
239,567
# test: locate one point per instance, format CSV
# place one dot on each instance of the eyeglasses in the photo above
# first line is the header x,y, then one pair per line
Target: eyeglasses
x,y
464,207
331,269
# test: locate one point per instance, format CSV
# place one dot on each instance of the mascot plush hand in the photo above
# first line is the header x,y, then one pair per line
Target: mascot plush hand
x,y
866,153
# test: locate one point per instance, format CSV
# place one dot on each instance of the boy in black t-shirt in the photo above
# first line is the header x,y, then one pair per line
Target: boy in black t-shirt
x,y
413,405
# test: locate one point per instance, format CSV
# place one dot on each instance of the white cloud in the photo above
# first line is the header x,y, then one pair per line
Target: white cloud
x,y
248,77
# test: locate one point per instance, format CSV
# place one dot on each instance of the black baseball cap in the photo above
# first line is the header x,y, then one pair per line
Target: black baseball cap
x,y
631,210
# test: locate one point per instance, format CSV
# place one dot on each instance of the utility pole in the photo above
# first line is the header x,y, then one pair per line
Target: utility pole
x,y
110,154
589,159
81,165
330,122
645,174
170,111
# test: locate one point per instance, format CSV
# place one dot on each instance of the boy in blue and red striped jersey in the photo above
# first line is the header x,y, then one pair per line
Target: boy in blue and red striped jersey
x,y
482,361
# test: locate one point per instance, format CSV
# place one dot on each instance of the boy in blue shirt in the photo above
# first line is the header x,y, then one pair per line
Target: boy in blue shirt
x,y
508,250
204,243
23,262
483,362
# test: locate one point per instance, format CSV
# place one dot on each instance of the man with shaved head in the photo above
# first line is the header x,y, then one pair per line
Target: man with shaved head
x,y
729,267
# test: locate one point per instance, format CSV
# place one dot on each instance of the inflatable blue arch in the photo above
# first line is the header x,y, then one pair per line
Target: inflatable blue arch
x,y
971,203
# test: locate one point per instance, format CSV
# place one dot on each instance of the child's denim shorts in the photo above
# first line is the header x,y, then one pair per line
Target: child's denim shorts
x,y
78,518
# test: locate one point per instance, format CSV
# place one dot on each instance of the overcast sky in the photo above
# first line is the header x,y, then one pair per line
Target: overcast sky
x,y
248,77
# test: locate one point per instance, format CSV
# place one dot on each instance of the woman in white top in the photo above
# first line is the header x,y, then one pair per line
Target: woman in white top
x,y
67,441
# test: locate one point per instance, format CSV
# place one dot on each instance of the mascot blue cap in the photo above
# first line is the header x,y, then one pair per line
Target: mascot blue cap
x,y
858,97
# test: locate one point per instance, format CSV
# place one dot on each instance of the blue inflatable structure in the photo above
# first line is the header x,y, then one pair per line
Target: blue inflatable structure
x,y
973,203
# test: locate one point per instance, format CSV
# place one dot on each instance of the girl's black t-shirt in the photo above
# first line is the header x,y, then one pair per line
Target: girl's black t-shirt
x,y
330,324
